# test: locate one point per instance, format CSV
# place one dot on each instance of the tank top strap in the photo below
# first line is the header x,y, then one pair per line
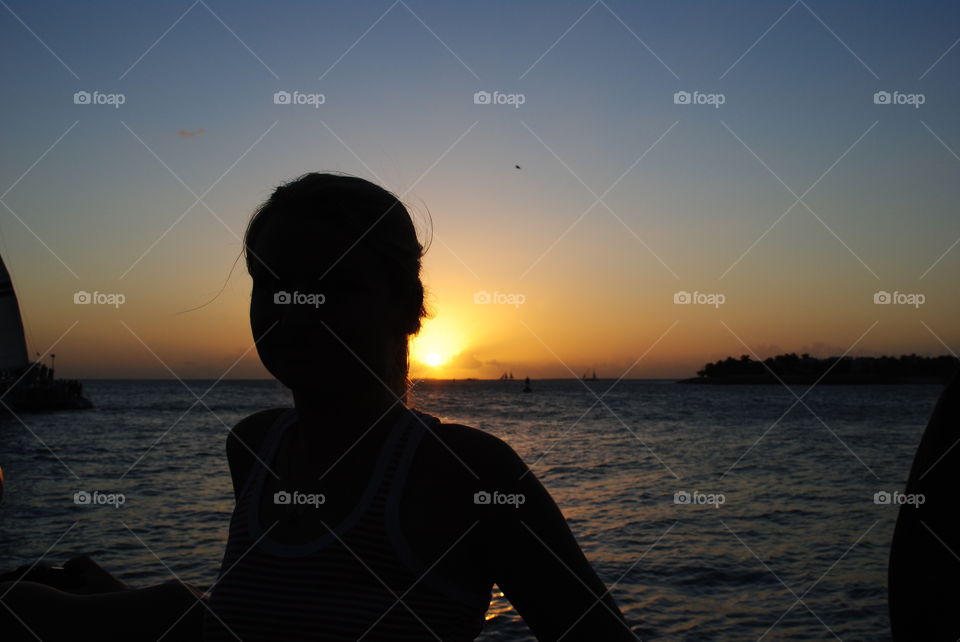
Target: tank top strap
x,y
388,473
420,423
267,449
396,461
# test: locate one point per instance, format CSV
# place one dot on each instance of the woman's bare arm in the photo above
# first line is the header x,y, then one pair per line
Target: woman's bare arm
x,y
537,561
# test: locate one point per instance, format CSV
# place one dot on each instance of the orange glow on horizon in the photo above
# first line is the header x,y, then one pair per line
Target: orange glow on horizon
x,y
435,345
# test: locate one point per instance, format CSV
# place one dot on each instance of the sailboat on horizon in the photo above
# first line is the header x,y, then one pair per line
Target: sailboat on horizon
x,y
28,385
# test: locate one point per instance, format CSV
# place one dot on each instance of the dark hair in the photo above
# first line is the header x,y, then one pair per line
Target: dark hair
x,y
377,220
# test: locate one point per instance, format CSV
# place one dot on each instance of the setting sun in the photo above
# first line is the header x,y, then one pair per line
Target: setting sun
x,y
437,344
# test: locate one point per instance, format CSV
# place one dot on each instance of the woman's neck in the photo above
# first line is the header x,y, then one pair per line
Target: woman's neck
x,y
335,419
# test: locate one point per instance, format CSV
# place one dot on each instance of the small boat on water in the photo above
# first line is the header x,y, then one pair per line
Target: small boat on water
x,y
591,378
28,385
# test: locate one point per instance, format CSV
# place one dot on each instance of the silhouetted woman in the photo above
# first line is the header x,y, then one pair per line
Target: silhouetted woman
x,y
357,516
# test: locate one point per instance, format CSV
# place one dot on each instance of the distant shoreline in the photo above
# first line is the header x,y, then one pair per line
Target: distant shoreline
x,y
843,370
805,379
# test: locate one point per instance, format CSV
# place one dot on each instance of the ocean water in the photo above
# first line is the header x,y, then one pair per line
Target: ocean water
x,y
796,482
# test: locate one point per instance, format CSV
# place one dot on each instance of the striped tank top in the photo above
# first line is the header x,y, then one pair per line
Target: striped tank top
x,y
333,587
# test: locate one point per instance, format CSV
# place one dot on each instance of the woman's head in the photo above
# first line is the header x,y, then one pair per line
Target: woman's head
x,y
335,262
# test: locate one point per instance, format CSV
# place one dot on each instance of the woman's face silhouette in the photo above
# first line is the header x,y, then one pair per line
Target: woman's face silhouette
x,y
321,308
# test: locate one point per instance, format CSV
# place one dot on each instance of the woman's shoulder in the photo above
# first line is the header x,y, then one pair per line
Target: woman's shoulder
x,y
245,440
248,433
483,452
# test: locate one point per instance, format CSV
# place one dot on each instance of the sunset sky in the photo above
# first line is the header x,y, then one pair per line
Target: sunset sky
x,y
692,197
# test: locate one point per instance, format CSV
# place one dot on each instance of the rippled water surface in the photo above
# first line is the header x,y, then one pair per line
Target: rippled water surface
x,y
797,482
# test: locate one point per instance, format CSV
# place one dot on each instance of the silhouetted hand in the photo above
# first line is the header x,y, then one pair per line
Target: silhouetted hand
x,y
89,577
79,575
